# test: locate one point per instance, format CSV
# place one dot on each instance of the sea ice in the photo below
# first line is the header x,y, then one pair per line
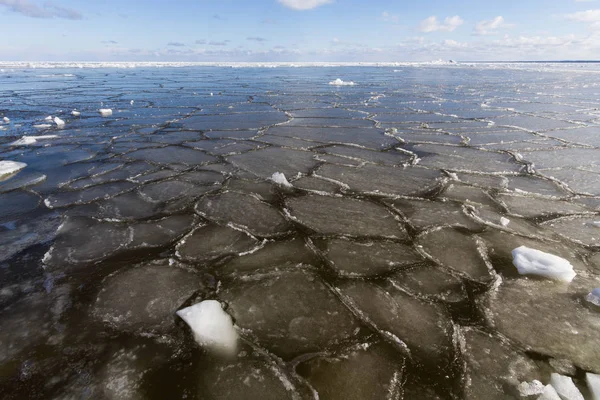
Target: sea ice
x,y
339,82
531,388
42,126
549,393
105,112
535,262
6,119
27,140
280,179
593,383
10,167
75,113
504,221
594,296
48,118
565,387
212,327
59,122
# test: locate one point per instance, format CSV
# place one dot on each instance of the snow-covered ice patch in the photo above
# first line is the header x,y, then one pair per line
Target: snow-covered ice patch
x,y
75,113
105,112
531,388
535,262
280,179
59,122
593,383
339,82
27,140
565,387
10,167
504,221
212,327
594,297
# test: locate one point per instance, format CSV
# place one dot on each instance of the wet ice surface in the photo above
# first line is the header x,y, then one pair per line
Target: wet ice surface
x,y
360,237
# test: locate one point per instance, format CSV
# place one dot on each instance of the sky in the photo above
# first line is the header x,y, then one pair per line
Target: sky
x,y
299,30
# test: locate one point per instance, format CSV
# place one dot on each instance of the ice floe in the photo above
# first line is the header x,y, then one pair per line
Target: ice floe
x,y
549,393
593,383
6,119
212,326
27,140
565,387
339,82
280,179
535,262
531,388
10,167
594,297
75,113
105,112
59,122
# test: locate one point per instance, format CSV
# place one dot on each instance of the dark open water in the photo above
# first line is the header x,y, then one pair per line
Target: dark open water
x,y
384,271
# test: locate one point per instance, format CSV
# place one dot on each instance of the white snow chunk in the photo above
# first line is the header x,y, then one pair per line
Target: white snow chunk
x,y
565,387
593,383
535,262
131,102
105,112
549,393
280,179
48,118
42,126
75,113
27,140
594,297
504,221
10,167
339,82
59,122
531,388
212,327
6,119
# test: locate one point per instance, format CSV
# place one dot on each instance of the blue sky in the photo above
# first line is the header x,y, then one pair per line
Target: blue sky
x,y
298,30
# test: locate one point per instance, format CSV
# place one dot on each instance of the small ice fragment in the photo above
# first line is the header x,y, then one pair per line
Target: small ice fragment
x,y
27,140
59,122
594,297
6,119
535,262
131,102
75,113
280,179
10,167
105,112
42,126
549,393
212,327
565,387
48,118
211,93
339,82
504,221
595,223
593,383
531,388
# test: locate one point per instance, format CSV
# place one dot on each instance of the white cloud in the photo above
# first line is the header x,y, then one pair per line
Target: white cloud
x,y
591,17
304,4
490,27
431,24
48,10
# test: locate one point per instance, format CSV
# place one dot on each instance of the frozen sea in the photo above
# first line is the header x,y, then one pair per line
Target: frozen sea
x,y
378,266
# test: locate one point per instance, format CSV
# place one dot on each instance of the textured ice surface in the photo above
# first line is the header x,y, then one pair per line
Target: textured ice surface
x,y
212,327
339,82
290,313
495,369
549,393
535,262
344,216
582,230
263,162
211,242
365,371
144,298
245,212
